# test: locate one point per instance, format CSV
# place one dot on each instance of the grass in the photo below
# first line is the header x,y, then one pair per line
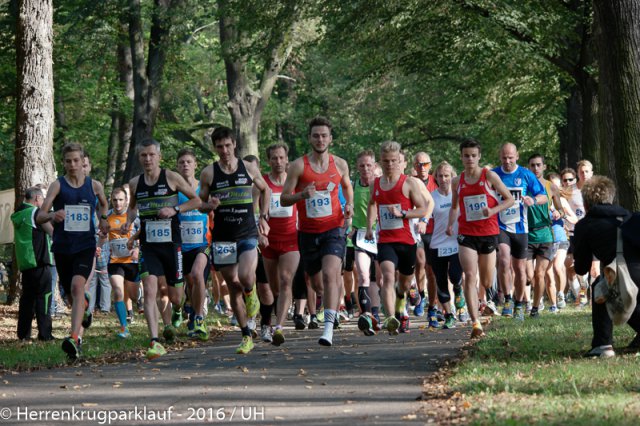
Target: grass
x,y
100,344
534,373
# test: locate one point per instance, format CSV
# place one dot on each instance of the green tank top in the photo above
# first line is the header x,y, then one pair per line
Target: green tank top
x,y
360,203
539,220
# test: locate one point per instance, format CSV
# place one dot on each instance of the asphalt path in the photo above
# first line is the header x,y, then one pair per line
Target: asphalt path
x,y
372,380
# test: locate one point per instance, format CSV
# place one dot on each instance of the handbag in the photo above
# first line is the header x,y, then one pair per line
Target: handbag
x,y
621,291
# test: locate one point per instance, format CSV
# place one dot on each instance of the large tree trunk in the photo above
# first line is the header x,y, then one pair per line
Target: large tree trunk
x,y
246,105
620,77
113,148
125,77
34,162
147,80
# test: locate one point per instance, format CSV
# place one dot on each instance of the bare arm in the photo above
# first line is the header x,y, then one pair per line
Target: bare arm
x,y
347,189
103,204
265,196
180,184
44,215
288,197
132,211
209,203
507,198
455,206
372,214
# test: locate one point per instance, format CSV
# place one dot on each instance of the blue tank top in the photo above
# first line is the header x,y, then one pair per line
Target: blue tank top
x,y
80,209
194,226
521,182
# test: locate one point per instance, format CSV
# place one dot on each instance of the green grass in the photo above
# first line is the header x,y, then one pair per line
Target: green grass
x,y
534,373
99,344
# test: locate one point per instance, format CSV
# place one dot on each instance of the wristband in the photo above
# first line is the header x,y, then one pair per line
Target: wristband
x,y
104,216
404,214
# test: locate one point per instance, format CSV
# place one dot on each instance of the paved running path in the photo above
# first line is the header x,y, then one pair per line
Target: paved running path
x,y
360,379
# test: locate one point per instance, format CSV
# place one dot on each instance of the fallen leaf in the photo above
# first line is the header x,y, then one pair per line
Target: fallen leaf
x,y
89,404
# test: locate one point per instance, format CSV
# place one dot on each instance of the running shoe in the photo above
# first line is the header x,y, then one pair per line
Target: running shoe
x,y
481,307
463,315
541,306
401,304
477,331
123,333
449,321
291,311
404,324
71,347
130,318
529,307
439,315
336,323
298,322
376,321
169,333
278,337
366,325
320,315
419,309
459,301
561,302
233,321
432,317
553,309
245,346
343,314
490,309
507,310
535,313
251,323
391,324
583,299
200,330
327,338
155,350
314,322
176,318
519,312
251,302
88,316
266,334
605,351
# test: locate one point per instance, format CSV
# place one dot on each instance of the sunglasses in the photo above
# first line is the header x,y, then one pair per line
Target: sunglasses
x,y
425,164
569,180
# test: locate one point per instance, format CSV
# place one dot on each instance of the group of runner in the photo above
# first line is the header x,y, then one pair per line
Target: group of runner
x,y
412,240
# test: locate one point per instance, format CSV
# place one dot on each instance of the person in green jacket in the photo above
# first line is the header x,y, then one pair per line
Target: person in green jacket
x,y
32,243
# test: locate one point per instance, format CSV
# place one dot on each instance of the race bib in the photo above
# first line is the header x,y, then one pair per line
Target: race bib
x,y
276,210
510,215
473,205
368,245
119,248
225,253
192,232
319,205
77,218
386,219
158,231
447,251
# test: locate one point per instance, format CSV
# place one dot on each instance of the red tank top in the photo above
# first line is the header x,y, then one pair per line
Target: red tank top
x,y
282,220
393,229
321,212
472,198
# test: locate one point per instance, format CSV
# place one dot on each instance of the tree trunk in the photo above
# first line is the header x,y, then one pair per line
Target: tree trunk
x,y
125,77
570,132
34,161
147,80
113,148
620,77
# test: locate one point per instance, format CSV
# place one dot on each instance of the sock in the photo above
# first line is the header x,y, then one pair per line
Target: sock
x,y
329,317
130,313
246,331
375,311
121,312
507,298
265,314
154,339
365,300
423,294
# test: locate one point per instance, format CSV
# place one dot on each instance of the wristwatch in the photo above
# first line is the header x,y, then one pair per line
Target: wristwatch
x,y
404,214
176,208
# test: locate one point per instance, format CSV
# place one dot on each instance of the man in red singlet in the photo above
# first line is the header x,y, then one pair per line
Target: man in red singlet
x,y
312,184
476,200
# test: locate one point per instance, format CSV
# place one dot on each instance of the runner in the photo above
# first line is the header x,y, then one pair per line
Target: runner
x,y
196,249
392,203
226,187
281,256
443,248
541,248
154,197
513,242
365,251
73,198
312,182
123,263
476,200
424,270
